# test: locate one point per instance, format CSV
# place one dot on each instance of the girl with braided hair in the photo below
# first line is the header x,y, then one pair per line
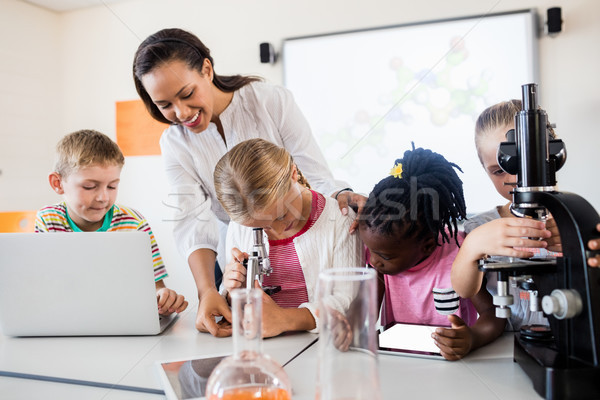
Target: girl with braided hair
x,y
410,226
259,186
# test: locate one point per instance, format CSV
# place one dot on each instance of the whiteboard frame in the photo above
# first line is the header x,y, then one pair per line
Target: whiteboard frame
x,y
532,67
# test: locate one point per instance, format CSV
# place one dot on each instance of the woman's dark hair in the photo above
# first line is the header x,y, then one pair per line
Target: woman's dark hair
x,y
176,44
422,199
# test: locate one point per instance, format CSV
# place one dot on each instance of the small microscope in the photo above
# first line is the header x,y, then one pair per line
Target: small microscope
x,y
258,264
564,361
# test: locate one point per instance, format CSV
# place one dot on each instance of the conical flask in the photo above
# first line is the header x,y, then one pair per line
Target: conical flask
x,y
248,373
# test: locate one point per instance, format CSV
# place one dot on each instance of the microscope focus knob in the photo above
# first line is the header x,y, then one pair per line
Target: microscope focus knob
x,y
503,312
503,301
562,303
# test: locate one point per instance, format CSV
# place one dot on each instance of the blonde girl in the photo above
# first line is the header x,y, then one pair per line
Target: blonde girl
x,y
259,186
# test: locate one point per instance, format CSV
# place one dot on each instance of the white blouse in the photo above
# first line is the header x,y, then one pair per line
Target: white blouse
x,y
257,110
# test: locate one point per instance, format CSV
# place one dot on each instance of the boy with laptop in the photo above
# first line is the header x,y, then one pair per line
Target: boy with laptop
x,y
87,174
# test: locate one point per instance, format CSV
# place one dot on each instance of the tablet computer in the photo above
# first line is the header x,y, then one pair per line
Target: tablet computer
x,y
186,379
409,340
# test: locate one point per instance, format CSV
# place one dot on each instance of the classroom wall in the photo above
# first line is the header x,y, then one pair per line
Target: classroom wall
x,y
96,47
30,73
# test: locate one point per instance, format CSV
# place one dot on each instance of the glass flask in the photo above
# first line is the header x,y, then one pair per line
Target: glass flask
x,y
248,373
347,349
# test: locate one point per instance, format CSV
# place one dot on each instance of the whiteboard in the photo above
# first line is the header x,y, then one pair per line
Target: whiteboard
x,y
367,94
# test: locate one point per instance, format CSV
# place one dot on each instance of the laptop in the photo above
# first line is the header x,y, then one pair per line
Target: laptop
x,y
78,284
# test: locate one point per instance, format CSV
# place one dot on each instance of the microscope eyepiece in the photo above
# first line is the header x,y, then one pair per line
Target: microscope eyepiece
x,y
529,94
530,153
510,135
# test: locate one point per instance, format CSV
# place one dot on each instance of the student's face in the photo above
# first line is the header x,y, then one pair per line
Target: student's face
x,y
183,95
89,193
284,216
392,254
488,147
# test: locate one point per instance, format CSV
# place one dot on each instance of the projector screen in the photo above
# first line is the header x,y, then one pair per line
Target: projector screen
x,y
368,94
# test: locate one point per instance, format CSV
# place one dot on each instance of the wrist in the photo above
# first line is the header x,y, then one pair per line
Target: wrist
x,y
471,249
301,319
342,190
207,291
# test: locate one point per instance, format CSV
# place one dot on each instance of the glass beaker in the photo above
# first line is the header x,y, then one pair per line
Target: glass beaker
x,y
347,364
248,373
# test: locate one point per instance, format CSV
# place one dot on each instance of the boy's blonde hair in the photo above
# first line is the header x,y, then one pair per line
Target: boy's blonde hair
x,y
252,176
499,115
84,148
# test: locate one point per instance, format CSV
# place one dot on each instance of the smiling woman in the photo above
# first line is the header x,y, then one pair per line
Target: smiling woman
x,y
208,114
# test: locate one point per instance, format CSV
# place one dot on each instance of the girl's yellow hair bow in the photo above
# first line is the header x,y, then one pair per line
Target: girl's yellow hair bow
x,y
396,172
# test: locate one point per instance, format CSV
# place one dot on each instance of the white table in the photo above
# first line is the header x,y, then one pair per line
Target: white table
x,y
487,373
128,361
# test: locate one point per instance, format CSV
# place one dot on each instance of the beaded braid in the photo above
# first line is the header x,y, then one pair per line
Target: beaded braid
x,y
423,197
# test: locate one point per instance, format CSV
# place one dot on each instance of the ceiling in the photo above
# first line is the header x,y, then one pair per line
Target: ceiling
x,y
69,5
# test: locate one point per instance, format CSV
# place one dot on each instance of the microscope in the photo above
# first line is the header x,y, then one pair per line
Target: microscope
x,y
258,264
563,362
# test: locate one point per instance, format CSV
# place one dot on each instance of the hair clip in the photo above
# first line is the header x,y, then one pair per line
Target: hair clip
x,y
396,172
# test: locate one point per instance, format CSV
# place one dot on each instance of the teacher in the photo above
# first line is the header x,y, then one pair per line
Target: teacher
x,y
209,114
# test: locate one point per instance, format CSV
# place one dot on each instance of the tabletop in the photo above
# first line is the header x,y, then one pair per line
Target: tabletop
x,y
130,361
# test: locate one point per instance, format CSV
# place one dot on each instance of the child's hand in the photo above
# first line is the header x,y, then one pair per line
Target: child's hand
x,y
500,237
340,330
554,240
169,301
455,342
235,272
273,316
277,320
594,244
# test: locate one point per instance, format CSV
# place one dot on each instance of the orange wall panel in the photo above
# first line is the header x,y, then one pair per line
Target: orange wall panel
x,y
17,221
137,132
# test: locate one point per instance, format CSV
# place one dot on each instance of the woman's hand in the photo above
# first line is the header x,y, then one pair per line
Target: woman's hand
x,y
212,305
455,342
347,198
